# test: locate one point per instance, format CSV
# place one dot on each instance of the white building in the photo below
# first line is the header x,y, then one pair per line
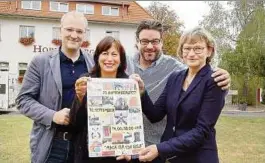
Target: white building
x,y
41,19
30,27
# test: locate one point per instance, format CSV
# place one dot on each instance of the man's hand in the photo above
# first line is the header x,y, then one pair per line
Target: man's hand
x,y
140,82
222,77
61,117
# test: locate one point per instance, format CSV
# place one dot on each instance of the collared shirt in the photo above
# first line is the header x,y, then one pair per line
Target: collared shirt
x,y
70,72
155,79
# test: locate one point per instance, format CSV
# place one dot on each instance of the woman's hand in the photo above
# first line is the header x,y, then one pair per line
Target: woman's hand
x,y
126,157
140,82
148,154
81,87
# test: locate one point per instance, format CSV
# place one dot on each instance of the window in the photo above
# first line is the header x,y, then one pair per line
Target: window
x,y
22,67
31,5
26,31
56,33
4,66
85,8
108,10
0,33
115,34
115,11
59,6
87,35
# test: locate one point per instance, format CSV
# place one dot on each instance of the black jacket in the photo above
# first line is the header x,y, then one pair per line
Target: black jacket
x,y
78,120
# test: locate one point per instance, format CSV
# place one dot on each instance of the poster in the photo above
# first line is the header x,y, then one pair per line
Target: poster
x,y
115,122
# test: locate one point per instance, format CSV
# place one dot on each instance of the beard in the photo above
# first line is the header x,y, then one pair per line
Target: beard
x,y
150,58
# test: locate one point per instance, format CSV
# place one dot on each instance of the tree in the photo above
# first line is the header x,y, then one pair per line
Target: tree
x,y
162,13
242,26
251,46
217,22
227,19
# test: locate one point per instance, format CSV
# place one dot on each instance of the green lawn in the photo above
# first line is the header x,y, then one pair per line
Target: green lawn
x,y
240,139
14,139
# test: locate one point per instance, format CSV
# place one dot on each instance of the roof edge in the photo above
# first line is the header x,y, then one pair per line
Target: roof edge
x,y
143,9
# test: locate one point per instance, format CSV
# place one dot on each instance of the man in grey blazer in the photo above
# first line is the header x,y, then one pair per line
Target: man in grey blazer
x,y
48,90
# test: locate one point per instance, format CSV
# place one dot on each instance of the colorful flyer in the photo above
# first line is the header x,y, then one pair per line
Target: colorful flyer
x,y
115,122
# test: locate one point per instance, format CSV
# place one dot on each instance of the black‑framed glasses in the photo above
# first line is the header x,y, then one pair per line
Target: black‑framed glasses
x,y
145,42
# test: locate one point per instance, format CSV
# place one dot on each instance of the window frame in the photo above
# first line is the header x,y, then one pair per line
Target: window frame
x,y
118,11
59,6
0,32
53,35
80,4
22,66
4,68
27,28
31,5
110,13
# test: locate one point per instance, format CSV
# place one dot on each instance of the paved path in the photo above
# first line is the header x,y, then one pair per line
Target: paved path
x,y
244,113
232,110
227,111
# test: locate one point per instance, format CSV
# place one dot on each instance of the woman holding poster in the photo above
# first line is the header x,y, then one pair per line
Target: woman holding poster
x,y
110,62
192,102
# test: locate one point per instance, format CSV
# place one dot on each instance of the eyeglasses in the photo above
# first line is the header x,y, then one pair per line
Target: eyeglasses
x,y
196,50
71,30
145,42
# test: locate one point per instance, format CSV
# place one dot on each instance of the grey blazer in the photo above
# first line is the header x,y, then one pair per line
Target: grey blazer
x,y
40,97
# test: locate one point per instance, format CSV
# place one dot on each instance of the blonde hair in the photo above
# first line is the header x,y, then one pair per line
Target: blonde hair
x,y
195,35
74,14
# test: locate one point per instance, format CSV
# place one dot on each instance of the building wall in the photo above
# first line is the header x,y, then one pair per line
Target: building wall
x,y
14,52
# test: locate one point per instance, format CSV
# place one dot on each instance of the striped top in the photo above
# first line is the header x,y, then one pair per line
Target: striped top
x,y
155,78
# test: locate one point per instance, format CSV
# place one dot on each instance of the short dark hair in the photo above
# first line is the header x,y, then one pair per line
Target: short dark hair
x,y
149,25
104,45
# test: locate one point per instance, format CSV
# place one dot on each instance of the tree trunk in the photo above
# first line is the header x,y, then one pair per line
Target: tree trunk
x,y
243,103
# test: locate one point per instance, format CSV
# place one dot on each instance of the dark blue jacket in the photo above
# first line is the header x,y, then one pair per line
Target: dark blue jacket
x,y
189,136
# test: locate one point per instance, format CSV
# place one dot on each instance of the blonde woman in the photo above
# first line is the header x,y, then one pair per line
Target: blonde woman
x,y
192,102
